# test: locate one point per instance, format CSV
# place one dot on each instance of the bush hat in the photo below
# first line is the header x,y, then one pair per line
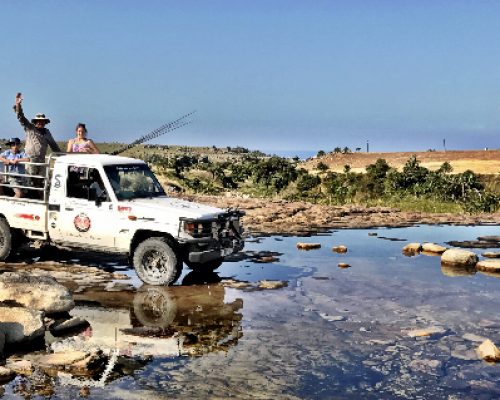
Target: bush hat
x,y
40,117
13,141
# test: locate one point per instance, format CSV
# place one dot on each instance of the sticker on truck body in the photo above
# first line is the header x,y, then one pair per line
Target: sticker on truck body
x,y
82,222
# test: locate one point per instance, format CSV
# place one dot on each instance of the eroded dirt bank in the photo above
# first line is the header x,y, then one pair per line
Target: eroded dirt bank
x,y
265,216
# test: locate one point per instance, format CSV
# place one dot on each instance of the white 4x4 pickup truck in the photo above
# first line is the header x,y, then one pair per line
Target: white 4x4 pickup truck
x,y
115,204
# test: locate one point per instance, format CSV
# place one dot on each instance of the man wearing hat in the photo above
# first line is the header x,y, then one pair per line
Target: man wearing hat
x,y
37,137
12,159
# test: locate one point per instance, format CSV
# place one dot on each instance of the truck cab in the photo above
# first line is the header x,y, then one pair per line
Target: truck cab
x,y
116,204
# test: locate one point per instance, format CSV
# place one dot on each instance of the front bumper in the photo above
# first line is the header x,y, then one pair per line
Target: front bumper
x,y
223,238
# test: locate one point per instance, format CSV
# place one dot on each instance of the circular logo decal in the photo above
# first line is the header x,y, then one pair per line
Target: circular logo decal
x,y
82,223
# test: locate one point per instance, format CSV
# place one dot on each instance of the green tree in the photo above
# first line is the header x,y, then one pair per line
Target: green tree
x,y
322,167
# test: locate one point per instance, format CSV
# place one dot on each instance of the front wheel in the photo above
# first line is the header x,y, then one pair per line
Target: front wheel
x,y
5,239
208,266
156,263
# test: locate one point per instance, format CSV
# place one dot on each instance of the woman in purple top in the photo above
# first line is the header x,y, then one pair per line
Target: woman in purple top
x,y
81,144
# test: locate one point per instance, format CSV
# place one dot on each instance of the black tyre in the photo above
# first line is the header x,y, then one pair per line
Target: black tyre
x,y
208,266
5,239
156,263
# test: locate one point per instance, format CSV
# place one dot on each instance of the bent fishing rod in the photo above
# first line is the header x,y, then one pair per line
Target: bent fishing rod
x,y
165,128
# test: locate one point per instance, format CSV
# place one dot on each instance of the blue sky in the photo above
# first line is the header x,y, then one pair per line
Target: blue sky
x,y
274,75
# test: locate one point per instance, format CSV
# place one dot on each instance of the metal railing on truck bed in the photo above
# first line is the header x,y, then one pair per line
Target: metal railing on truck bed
x,y
36,186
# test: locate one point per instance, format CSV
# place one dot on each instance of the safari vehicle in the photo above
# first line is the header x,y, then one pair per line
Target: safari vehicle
x,y
116,204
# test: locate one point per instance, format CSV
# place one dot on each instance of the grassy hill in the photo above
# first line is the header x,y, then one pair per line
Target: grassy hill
x,y
478,161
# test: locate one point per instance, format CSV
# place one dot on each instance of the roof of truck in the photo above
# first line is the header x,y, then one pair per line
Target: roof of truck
x,y
96,159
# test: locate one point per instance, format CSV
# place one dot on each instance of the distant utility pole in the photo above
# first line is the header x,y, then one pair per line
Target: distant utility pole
x,y
444,144
367,146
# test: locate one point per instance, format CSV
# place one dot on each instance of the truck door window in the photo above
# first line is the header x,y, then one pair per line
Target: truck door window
x,y
85,183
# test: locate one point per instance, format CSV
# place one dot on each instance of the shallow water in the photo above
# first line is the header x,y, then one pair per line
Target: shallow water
x,y
331,333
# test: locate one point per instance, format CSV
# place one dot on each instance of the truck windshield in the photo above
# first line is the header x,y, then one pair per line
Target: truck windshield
x,y
133,181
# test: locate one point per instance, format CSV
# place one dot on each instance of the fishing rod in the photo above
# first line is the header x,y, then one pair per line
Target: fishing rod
x,y
165,128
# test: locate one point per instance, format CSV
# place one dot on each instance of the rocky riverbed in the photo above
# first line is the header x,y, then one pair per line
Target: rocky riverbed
x,y
278,320
265,216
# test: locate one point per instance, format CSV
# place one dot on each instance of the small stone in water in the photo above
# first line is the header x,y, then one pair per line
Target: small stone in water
x,y
308,246
340,249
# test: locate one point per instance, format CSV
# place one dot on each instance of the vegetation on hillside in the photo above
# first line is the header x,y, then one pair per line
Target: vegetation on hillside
x,y
413,188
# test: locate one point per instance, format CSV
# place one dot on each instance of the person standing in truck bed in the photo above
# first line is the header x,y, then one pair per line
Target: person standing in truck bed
x,y
13,160
38,138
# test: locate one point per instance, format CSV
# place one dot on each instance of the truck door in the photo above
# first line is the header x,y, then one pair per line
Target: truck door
x,y
86,215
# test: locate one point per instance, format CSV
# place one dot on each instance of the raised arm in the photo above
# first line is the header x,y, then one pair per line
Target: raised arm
x,y
52,143
18,109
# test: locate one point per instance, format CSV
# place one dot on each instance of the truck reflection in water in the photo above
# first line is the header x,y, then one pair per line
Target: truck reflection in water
x,y
162,320
130,329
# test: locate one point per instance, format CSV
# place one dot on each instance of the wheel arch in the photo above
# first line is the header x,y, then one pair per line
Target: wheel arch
x,y
143,234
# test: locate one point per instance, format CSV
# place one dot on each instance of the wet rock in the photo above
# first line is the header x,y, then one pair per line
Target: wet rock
x,y
482,242
425,365
464,354
433,248
6,375
266,259
492,266
471,337
339,249
92,362
332,318
272,284
372,233
232,283
20,324
343,265
114,286
61,359
491,254
488,351
426,332
69,325
459,257
489,239
412,248
36,292
485,386
308,246
20,367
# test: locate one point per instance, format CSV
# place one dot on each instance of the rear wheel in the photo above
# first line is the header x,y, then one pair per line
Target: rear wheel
x,y
208,266
156,263
5,239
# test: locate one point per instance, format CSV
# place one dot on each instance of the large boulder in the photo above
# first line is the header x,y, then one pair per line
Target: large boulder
x,y
36,292
489,266
20,324
459,257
